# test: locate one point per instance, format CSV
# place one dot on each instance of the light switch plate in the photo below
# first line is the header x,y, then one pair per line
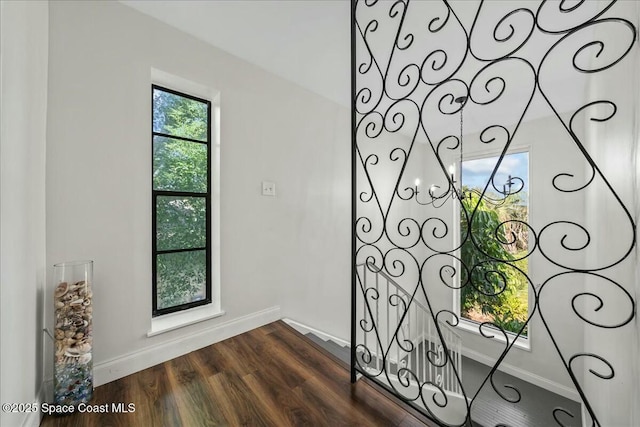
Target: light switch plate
x,y
268,188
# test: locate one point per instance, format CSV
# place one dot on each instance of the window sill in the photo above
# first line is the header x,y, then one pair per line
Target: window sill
x,y
474,328
170,322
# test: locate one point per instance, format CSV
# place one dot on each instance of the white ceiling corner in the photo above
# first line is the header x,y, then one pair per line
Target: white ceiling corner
x,y
304,41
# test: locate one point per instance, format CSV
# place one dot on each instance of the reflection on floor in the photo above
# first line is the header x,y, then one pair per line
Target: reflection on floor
x,y
535,408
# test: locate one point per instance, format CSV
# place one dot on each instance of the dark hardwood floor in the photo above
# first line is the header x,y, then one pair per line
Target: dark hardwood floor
x,y
271,376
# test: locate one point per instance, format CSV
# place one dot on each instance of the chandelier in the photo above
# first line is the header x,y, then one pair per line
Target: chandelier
x,y
512,185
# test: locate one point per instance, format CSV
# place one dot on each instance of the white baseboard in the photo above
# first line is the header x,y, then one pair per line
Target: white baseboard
x,y
472,354
305,329
529,377
127,364
48,391
32,419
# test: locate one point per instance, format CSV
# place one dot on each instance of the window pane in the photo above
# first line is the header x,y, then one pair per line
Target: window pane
x,y
179,116
179,165
181,278
493,290
181,222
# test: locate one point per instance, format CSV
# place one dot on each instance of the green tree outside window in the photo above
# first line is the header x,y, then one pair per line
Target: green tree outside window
x,y
494,256
181,135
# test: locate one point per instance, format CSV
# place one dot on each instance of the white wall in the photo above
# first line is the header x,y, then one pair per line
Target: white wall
x,y
541,363
614,144
291,251
23,89
551,152
635,346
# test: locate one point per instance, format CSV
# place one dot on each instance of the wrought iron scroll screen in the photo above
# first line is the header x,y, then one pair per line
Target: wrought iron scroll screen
x,y
507,64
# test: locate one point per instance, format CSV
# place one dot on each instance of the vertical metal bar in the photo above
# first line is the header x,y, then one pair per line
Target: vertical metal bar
x,y
364,305
453,377
377,321
388,314
397,328
459,372
416,326
430,346
353,192
455,380
447,368
449,364
445,354
408,317
424,350
459,365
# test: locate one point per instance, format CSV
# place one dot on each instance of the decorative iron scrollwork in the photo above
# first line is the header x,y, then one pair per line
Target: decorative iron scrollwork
x,y
412,61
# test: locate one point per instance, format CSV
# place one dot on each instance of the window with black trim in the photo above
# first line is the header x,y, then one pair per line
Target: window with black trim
x,y
496,252
181,200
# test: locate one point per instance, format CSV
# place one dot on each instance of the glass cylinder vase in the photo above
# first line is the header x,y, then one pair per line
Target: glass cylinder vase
x,y
73,365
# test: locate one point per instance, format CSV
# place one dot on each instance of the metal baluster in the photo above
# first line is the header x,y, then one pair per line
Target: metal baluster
x,y
398,336
451,364
460,365
424,352
447,366
377,322
458,368
443,361
453,377
430,348
459,372
449,370
409,366
388,310
364,306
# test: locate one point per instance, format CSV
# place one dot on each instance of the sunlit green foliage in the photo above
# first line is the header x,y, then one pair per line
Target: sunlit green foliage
x,y
180,165
181,222
179,116
493,288
181,277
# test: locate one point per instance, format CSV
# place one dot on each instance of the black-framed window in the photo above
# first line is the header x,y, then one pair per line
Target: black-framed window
x,y
496,257
181,200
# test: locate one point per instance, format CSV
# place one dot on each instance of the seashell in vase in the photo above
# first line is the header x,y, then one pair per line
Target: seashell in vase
x,y
81,360
77,321
73,363
84,359
61,289
78,349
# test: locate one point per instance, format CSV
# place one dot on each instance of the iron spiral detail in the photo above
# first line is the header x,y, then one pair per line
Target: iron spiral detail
x,y
418,69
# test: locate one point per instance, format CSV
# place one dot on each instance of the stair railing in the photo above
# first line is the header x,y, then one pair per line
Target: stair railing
x,y
398,338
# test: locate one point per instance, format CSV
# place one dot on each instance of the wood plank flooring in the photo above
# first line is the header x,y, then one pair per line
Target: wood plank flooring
x,y
271,376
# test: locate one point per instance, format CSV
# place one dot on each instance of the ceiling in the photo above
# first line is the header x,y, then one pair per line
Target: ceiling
x,y
308,41
304,41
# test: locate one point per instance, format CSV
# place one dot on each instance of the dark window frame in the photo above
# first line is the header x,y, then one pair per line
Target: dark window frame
x,y
458,296
207,196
